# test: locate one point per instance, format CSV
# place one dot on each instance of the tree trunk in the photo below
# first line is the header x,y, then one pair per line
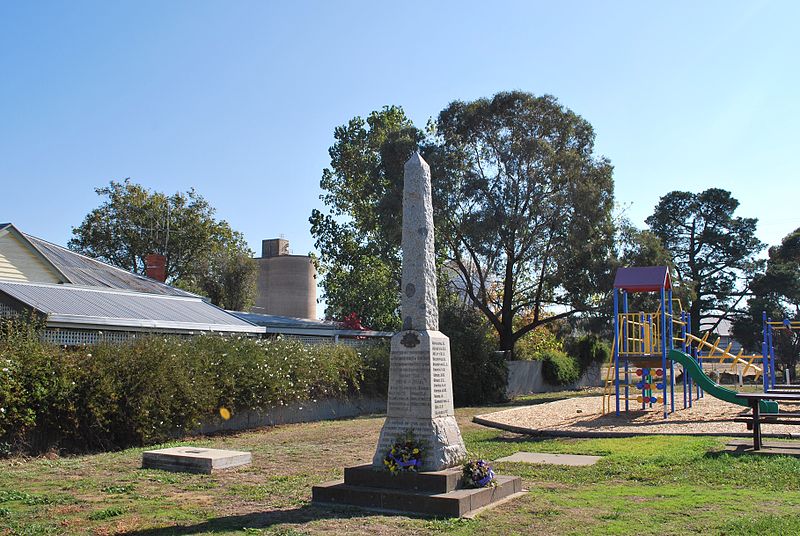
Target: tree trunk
x,y
507,338
694,311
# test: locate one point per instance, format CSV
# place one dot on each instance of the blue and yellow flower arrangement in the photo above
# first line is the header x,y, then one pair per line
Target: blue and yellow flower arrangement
x,y
478,474
405,454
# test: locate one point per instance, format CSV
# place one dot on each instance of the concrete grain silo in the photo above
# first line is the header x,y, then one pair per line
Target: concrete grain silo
x,y
287,284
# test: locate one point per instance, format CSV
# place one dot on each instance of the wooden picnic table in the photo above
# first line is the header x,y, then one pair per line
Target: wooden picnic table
x,y
754,398
784,391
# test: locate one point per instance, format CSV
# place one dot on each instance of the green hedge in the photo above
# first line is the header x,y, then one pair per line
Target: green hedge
x,y
588,350
559,368
155,388
152,389
480,375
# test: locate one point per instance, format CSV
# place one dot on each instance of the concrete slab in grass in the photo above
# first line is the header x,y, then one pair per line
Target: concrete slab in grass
x,y
194,459
551,459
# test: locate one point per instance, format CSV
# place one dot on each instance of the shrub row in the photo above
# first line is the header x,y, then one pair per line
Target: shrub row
x,y
564,368
480,374
153,389
558,368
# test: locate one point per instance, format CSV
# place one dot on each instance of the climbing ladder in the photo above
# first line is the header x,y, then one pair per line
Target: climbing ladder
x,y
608,389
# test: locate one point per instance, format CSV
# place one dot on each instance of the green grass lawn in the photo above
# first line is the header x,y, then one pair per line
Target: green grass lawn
x,y
643,485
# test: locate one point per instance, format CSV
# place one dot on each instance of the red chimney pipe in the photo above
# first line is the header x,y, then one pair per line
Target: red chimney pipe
x,y
155,266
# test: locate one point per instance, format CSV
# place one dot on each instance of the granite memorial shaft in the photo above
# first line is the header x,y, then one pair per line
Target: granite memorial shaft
x,y
420,381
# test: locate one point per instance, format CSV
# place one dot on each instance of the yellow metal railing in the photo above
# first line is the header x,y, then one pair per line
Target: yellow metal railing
x,y
640,333
794,324
609,389
713,351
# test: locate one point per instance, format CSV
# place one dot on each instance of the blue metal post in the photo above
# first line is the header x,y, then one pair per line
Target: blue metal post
x,y
616,347
690,352
671,364
664,350
771,344
765,351
642,320
684,348
626,328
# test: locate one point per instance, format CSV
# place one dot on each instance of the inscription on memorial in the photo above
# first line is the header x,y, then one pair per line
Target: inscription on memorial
x,y
419,378
440,378
409,392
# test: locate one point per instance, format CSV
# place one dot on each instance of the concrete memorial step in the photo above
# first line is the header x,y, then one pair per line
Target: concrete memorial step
x,y
436,493
194,459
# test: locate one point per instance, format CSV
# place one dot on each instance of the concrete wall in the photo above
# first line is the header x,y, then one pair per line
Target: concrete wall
x,y
525,378
320,410
286,286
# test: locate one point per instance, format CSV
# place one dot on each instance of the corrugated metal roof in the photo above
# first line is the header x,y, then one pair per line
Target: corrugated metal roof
x,y
83,270
78,306
288,321
643,279
300,326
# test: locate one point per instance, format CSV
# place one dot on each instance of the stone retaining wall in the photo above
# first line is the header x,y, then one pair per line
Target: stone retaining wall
x,y
524,377
320,410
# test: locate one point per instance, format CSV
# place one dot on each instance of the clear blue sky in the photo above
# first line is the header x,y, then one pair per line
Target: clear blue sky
x,y
240,99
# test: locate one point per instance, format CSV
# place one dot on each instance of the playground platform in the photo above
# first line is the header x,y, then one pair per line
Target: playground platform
x,y
582,417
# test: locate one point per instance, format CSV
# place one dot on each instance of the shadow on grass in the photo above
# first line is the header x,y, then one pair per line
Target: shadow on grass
x,y
527,400
522,439
780,448
264,520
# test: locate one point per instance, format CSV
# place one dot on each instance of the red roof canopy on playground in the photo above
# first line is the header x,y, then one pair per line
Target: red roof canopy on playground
x,y
643,279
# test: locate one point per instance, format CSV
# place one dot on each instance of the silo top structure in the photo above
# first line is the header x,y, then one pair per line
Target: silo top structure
x,y
286,284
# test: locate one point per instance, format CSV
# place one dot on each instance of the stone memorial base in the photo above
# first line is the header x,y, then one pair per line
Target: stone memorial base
x,y
421,400
194,459
435,493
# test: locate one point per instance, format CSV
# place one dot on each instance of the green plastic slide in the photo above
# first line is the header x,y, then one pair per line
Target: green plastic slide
x,y
711,387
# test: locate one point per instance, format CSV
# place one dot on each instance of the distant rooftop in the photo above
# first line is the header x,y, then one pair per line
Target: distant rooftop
x,y
78,269
301,326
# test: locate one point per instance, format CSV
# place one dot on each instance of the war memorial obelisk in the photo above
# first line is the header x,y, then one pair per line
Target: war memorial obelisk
x,y
420,379
420,392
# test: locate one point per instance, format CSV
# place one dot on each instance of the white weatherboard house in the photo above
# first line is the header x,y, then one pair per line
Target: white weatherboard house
x,y
83,301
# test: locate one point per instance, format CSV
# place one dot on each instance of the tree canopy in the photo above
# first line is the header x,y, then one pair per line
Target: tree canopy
x,y
359,236
203,254
525,209
711,249
522,209
776,291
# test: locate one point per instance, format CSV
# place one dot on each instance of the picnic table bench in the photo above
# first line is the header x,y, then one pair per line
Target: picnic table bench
x,y
784,389
755,418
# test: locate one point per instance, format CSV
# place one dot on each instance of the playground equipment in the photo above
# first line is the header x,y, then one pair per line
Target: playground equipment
x,y
643,364
695,370
769,328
